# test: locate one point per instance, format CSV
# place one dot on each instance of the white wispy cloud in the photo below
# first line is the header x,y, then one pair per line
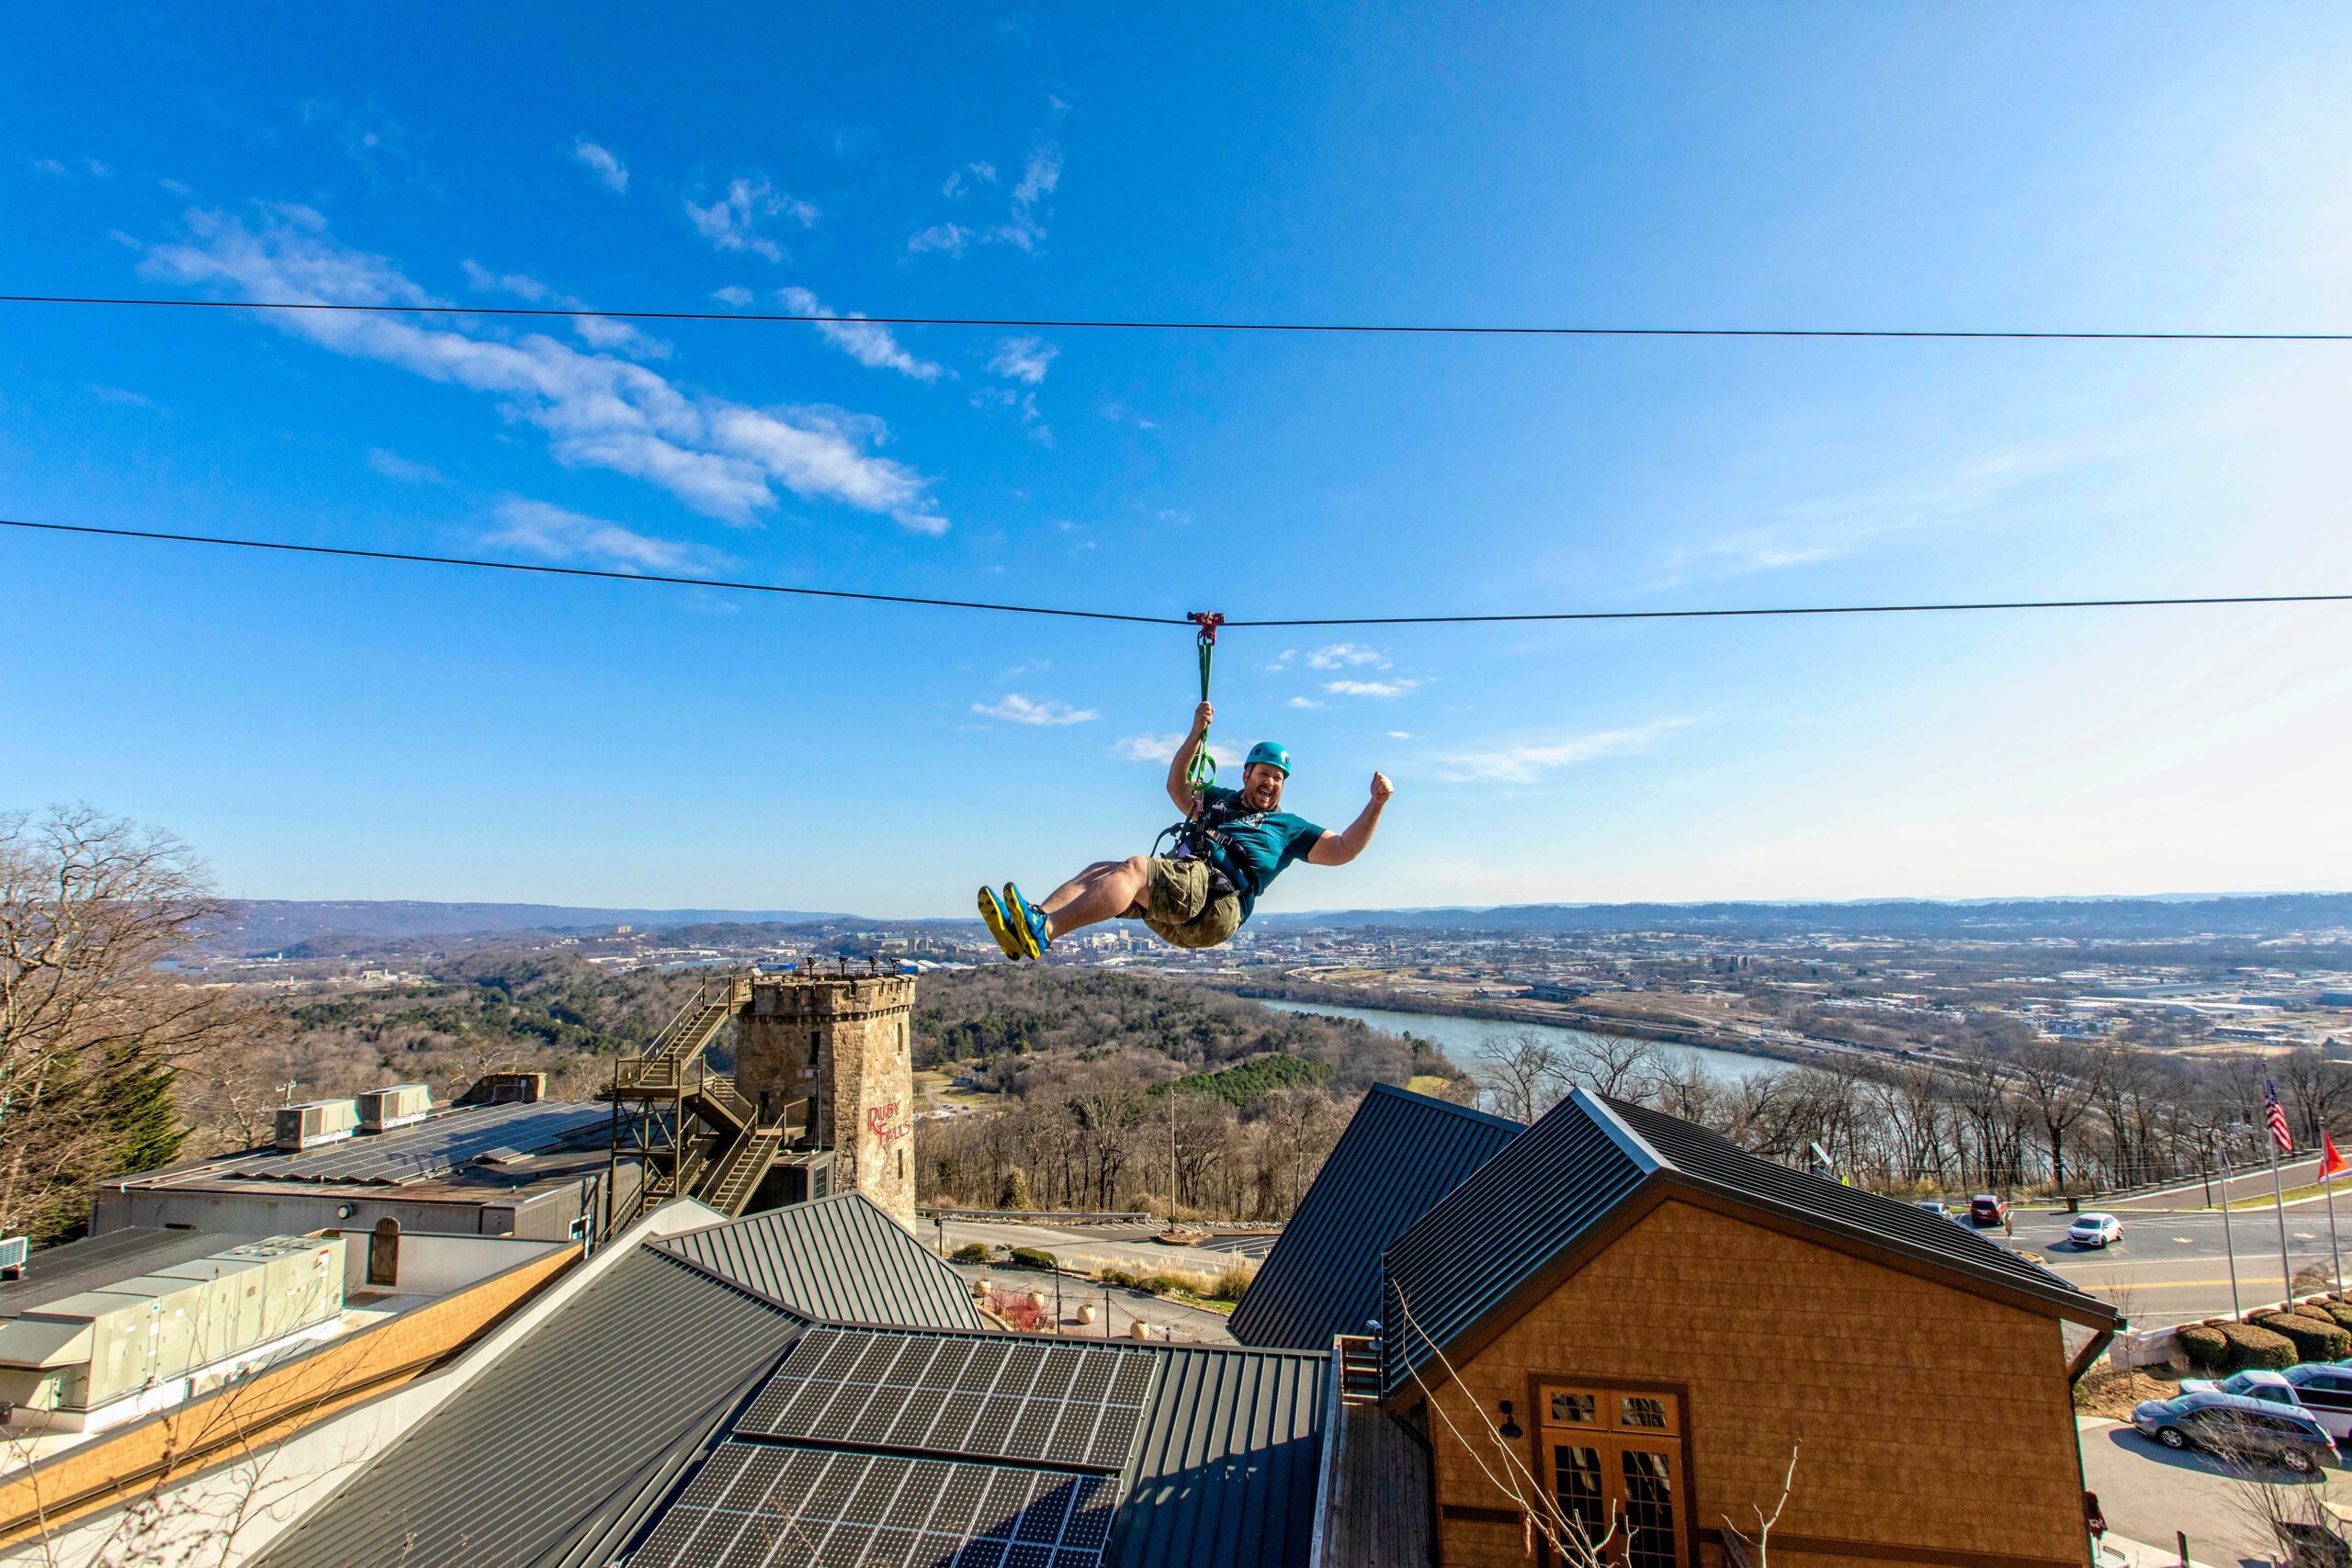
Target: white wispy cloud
x,y
949,237
1396,688
732,222
870,345
967,178
1023,359
48,167
1024,404
392,466
123,396
607,168
484,281
596,410
1147,748
1039,179
1280,662
596,332
1303,702
1014,708
1827,527
1527,762
1341,655
733,294
1022,226
550,532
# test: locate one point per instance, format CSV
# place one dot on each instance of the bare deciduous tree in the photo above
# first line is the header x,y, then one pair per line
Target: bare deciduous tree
x,y
91,906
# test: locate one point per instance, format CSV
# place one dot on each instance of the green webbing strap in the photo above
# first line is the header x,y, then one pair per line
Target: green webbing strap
x,y
1201,773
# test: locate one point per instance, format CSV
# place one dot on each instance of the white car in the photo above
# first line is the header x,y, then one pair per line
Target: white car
x,y
2095,1229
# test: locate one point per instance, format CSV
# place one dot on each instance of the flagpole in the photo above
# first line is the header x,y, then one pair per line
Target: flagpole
x,y
2335,1253
2279,1201
2238,1309
2331,1165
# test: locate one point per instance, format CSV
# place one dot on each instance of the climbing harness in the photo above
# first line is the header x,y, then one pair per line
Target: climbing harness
x,y
1202,772
1198,837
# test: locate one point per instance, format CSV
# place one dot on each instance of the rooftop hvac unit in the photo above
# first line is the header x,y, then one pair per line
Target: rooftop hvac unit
x,y
402,1105
322,1121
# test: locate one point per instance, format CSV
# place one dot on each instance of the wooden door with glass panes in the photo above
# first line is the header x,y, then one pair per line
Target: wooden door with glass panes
x,y
1613,1459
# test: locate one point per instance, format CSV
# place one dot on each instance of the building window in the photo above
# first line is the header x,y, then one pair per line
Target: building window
x,y
1615,1459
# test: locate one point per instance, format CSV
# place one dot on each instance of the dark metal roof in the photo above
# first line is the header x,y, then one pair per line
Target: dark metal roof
x,y
440,1143
94,1262
1501,1229
562,1431
1401,1154
580,1439
1225,1475
838,1258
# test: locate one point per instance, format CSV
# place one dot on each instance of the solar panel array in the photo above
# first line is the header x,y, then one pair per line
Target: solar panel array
x,y
434,1148
779,1506
990,1398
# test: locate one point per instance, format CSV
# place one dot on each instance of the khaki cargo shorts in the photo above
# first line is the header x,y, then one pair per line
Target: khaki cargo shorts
x,y
1177,905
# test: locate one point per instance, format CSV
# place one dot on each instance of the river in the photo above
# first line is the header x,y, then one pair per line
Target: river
x,y
1469,1040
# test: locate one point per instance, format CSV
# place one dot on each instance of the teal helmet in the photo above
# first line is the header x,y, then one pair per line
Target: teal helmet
x,y
1270,753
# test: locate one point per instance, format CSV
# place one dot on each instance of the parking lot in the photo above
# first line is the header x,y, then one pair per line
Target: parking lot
x,y
2148,1492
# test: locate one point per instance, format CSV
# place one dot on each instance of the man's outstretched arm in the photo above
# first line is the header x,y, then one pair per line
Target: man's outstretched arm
x,y
1179,787
1339,849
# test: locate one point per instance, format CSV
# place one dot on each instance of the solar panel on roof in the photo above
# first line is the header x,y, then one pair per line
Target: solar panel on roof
x,y
822,1507
432,1147
1074,1404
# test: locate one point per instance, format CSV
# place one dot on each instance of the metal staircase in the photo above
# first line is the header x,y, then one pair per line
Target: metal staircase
x,y
693,1130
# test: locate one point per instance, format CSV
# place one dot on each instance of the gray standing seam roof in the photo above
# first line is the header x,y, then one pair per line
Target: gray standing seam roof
x,y
1502,1228
579,1438
1401,1154
839,1259
433,1147
1226,1474
559,1433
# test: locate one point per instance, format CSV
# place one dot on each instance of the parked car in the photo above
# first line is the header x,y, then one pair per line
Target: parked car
x,y
1987,1209
2324,1391
1936,1207
2095,1229
2256,1383
2237,1426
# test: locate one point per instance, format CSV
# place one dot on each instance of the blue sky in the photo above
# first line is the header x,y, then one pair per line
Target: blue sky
x,y
327,730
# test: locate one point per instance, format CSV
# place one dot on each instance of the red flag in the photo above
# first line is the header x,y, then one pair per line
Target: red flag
x,y
2331,1164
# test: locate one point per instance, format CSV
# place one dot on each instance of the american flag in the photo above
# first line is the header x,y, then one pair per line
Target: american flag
x,y
2275,1115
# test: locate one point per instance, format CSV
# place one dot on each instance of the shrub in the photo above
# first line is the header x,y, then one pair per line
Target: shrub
x,y
2207,1350
1229,1285
1031,1257
2253,1345
971,1252
2314,1339
2335,1311
1120,1277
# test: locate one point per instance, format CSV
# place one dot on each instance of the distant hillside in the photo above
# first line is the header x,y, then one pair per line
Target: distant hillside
x,y
2261,915
271,925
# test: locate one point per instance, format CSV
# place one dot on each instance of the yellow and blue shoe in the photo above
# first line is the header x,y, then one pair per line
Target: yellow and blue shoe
x,y
1000,925
1027,923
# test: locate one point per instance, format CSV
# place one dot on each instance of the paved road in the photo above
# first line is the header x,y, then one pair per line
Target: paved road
x,y
2174,1267
2148,1493
1081,1248
2201,1195
1171,1321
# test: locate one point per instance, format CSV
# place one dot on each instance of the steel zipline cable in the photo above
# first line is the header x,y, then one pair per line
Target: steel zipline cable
x,y
664,579
1401,329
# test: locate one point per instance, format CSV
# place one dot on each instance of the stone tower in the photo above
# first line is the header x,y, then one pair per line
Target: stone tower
x,y
845,1042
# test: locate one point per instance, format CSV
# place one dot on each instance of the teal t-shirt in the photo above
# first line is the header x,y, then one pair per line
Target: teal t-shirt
x,y
1262,842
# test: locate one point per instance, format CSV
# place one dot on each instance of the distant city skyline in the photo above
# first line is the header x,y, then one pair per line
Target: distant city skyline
x,y
321,730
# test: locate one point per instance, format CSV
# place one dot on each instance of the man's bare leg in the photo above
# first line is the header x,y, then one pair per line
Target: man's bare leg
x,y
1103,891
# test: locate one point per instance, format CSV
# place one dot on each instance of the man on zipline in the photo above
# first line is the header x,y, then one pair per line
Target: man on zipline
x,y
1231,846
